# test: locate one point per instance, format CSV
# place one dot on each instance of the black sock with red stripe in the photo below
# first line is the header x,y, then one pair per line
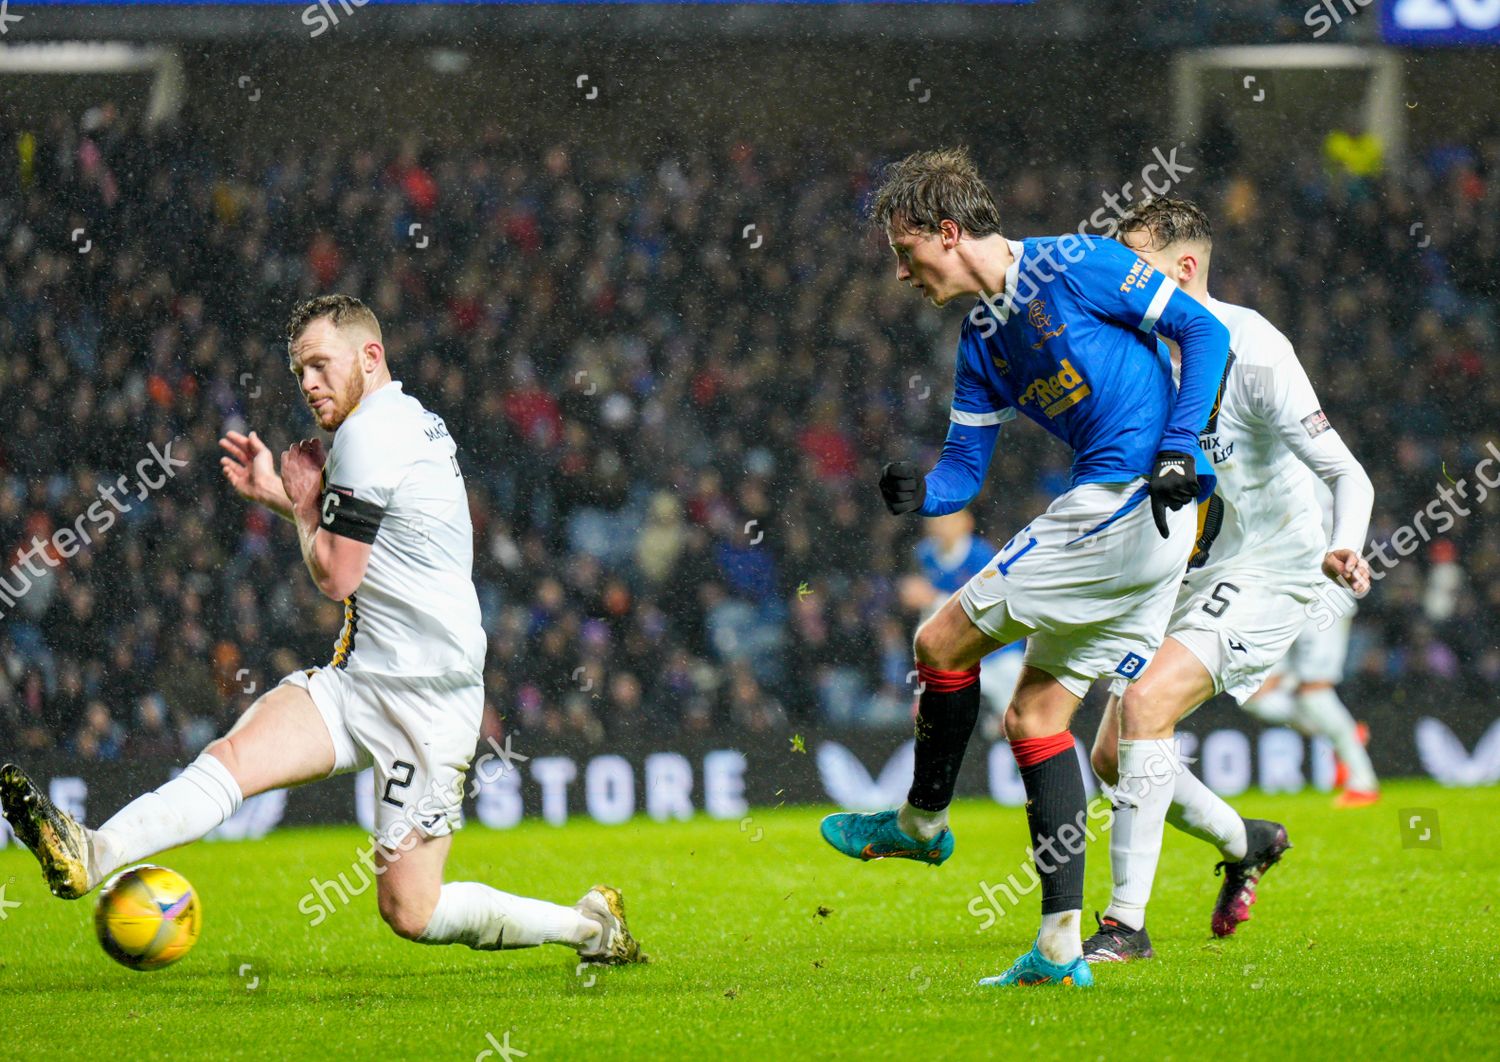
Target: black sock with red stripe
x,y
1055,800
947,710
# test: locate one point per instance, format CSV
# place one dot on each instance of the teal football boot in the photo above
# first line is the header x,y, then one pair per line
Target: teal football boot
x,y
878,836
1033,969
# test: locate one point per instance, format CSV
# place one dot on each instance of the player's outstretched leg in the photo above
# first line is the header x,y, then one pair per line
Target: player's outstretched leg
x,y
59,843
1266,842
486,919
948,648
418,905
281,740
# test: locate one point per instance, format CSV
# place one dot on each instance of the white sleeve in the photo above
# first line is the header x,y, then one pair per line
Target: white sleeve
x,y
1290,406
362,463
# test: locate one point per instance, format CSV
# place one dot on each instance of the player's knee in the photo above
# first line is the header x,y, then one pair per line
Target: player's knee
x,y
922,643
223,750
1015,723
406,915
1145,708
932,647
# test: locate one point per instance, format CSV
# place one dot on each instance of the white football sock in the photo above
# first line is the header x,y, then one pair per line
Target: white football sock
x,y
1148,775
1198,810
923,825
1060,940
1321,712
487,919
194,803
1274,708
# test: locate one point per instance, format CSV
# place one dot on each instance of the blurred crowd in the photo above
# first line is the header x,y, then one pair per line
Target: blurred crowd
x,y
673,377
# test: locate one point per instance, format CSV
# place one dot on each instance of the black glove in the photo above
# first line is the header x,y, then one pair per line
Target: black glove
x,y
1173,484
903,487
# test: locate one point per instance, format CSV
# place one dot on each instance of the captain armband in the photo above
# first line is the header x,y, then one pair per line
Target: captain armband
x,y
344,514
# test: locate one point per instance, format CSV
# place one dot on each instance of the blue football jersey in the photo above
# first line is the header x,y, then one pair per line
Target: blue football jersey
x,y
1072,344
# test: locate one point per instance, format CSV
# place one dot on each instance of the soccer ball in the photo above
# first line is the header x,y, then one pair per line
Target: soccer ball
x,y
147,917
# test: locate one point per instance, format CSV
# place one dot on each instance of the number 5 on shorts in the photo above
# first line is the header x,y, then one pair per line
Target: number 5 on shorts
x,y
1218,596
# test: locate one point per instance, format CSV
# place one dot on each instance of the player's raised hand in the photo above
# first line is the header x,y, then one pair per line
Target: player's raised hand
x,y
302,471
1348,567
903,487
1173,484
249,467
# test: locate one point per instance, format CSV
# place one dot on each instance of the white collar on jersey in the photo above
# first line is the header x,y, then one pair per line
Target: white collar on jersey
x,y
1012,281
394,387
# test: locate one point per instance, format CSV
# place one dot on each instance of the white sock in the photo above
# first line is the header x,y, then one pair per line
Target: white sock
x,y
1274,708
923,825
487,919
1320,712
1148,775
1198,810
1060,940
195,802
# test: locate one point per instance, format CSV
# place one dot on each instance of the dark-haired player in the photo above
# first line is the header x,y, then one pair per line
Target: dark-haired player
x,y
384,528
1065,333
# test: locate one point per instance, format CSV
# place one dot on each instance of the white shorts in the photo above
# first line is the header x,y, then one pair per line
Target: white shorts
x,y
1090,584
418,733
1240,620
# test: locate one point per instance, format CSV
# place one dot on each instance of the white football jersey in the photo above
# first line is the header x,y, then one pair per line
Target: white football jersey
x,y
392,479
1267,437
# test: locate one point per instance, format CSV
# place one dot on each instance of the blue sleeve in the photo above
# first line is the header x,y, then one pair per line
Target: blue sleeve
x,y
1204,343
978,411
975,402
955,480
1124,288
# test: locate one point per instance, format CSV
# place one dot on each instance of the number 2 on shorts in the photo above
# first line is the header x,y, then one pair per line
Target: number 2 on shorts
x,y
394,783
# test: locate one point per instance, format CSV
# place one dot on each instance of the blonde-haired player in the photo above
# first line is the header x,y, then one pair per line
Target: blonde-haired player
x,y
1247,594
384,527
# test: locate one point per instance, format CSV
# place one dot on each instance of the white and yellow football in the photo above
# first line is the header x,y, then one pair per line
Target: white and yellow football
x,y
147,917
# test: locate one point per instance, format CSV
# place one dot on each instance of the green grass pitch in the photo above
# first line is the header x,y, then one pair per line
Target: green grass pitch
x,y
767,944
